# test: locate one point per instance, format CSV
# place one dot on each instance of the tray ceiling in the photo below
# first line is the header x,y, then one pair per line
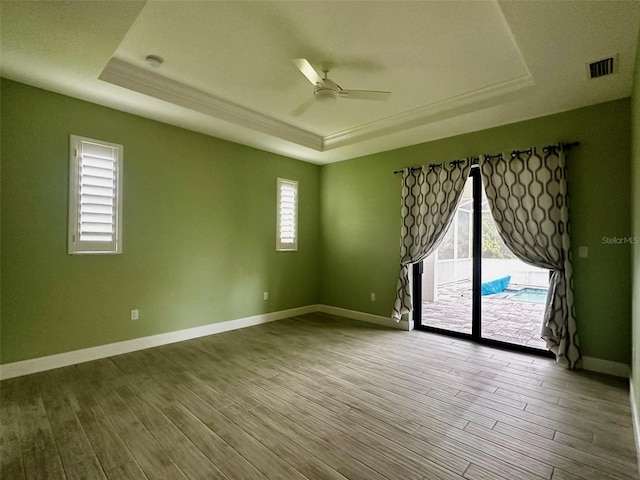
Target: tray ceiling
x,y
452,67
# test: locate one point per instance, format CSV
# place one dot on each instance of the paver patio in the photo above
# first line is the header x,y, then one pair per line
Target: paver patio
x,y
503,319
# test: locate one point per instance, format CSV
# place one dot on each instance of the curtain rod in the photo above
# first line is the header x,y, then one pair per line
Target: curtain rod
x,y
475,160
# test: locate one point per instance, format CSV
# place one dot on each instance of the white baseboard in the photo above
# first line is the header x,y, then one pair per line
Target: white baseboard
x,y
366,317
635,419
605,366
34,365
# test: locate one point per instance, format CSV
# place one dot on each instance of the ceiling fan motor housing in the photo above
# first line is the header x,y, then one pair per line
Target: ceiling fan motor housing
x,y
327,91
325,94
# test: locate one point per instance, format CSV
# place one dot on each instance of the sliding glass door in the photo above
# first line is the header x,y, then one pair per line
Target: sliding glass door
x,y
473,286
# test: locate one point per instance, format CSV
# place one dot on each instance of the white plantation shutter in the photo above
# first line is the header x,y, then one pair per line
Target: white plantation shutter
x,y
287,205
95,197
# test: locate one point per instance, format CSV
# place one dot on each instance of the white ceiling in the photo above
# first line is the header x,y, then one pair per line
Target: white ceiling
x,y
452,66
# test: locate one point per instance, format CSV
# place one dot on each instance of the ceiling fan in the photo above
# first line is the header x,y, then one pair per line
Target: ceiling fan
x,y
328,91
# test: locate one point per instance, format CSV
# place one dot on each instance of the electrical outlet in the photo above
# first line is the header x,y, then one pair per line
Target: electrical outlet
x,y
265,296
135,314
373,297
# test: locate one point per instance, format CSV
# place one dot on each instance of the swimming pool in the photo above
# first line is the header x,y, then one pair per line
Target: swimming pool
x,y
534,295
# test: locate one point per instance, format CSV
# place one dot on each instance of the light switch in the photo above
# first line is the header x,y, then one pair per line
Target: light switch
x,y
583,252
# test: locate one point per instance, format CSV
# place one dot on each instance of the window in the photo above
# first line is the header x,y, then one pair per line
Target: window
x,y
95,197
287,236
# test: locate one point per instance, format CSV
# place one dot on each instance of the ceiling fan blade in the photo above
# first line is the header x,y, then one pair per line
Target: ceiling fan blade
x,y
307,70
303,107
365,94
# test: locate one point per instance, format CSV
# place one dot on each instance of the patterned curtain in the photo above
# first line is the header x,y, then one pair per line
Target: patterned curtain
x,y
430,196
528,199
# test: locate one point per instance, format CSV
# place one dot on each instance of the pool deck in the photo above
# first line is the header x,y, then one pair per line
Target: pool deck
x,y
503,319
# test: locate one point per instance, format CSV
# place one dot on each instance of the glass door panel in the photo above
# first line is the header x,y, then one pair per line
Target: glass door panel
x,y
447,291
513,293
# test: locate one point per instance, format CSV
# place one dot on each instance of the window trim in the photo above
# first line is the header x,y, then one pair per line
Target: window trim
x,y
280,246
74,245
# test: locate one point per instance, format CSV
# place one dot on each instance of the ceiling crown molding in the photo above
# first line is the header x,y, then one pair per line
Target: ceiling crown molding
x,y
133,77
428,113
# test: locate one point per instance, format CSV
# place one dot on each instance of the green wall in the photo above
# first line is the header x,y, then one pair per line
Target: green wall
x,y
199,226
360,215
198,229
635,229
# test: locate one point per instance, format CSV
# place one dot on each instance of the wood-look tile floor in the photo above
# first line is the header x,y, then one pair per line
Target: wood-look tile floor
x,y
317,397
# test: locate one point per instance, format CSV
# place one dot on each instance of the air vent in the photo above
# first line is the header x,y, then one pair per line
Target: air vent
x,y
603,67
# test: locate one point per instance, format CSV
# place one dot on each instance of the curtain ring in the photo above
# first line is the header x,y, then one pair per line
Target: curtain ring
x,y
551,149
517,153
